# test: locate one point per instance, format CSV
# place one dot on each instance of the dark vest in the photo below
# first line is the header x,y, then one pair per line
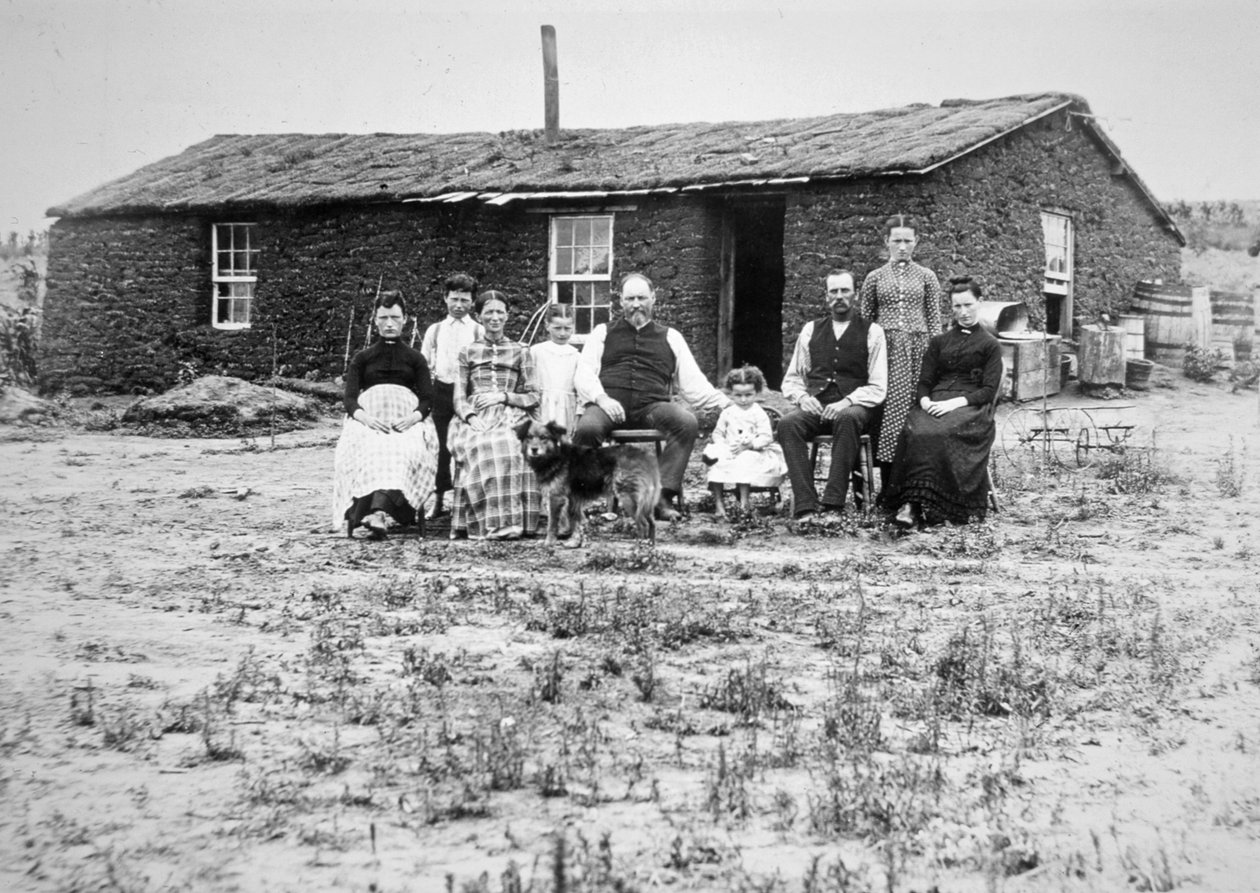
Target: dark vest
x,y
837,368
638,365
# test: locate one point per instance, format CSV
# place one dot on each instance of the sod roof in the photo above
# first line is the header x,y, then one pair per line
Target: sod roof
x,y
296,170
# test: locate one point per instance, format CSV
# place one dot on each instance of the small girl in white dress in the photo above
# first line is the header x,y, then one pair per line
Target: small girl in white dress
x,y
555,362
742,451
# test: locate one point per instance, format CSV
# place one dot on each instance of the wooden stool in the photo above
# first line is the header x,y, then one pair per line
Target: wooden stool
x,y
654,436
864,472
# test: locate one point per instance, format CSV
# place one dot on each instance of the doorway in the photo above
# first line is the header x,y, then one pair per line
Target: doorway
x,y
750,324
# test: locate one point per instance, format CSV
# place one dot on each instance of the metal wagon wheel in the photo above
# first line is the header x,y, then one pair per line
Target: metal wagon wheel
x,y
1086,443
1024,434
1089,439
1075,437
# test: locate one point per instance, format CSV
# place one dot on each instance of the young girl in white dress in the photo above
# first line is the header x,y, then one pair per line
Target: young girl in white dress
x,y
555,362
742,451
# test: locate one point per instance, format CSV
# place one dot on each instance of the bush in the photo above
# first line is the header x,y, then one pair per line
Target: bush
x,y
19,345
1201,364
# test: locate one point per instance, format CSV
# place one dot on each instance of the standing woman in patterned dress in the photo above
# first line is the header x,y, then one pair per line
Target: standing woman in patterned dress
x,y
905,299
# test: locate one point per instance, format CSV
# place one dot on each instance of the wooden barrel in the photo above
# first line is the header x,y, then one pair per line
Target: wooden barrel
x,y
1233,320
1172,321
1134,327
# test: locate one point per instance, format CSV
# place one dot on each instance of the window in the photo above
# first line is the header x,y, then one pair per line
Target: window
x,y
1057,285
1057,230
235,252
581,268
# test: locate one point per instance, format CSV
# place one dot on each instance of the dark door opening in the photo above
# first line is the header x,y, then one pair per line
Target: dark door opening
x,y
753,280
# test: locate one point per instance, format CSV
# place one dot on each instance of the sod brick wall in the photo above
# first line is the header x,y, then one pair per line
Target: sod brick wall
x,y
981,216
129,299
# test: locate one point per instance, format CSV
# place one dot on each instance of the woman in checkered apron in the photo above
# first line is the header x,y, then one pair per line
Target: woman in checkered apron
x,y
386,456
905,299
495,493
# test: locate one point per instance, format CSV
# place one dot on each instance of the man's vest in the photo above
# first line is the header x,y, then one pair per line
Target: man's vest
x,y
638,365
837,367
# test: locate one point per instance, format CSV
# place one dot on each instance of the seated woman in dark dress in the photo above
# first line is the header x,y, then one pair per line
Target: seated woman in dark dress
x,y
940,472
386,457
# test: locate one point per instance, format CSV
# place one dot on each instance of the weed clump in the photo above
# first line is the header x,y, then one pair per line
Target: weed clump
x,y
746,692
1135,472
972,677
1229,472
642,557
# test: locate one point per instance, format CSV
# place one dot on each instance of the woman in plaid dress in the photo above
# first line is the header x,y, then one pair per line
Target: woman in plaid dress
x,y
496,495
386,457
905,299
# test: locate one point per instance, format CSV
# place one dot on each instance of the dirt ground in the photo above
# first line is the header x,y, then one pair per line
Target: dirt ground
x,y
202,688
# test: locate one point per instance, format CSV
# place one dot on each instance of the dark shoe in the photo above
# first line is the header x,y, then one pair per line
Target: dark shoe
x,y
905,516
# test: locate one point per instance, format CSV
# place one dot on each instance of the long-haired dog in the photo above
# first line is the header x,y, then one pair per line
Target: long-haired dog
x,y
572,476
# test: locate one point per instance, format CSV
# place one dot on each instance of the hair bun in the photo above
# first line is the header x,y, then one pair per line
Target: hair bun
x,y
959,280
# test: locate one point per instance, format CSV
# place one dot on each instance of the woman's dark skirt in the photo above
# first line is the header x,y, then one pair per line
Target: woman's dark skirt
x,y
942,464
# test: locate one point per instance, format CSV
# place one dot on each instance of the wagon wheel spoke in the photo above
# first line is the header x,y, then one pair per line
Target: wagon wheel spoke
x,y
1024,437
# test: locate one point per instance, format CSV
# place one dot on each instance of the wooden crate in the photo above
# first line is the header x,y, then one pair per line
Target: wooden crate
x,y
1031,367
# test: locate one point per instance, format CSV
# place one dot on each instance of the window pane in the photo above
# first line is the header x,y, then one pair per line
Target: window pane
x,y
564,292
600,315
582,232
601,230
599,261
564,261
564,231
224,263
582,260
234,303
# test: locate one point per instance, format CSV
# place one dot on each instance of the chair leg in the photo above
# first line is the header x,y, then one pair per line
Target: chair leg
x,y
993,500
868,471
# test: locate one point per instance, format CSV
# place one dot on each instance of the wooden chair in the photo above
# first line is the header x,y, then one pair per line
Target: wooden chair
x,y
863,474
654,436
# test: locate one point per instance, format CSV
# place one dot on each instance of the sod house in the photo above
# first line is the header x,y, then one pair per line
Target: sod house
x,y
248,253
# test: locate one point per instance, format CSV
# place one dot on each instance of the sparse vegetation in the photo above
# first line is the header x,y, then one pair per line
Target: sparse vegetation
x,y
964,707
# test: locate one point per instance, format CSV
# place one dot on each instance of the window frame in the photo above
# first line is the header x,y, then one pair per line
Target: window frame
x,y
1058,284
234,276
555,279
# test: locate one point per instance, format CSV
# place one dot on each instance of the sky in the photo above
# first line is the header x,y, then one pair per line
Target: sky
x,y
91,90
